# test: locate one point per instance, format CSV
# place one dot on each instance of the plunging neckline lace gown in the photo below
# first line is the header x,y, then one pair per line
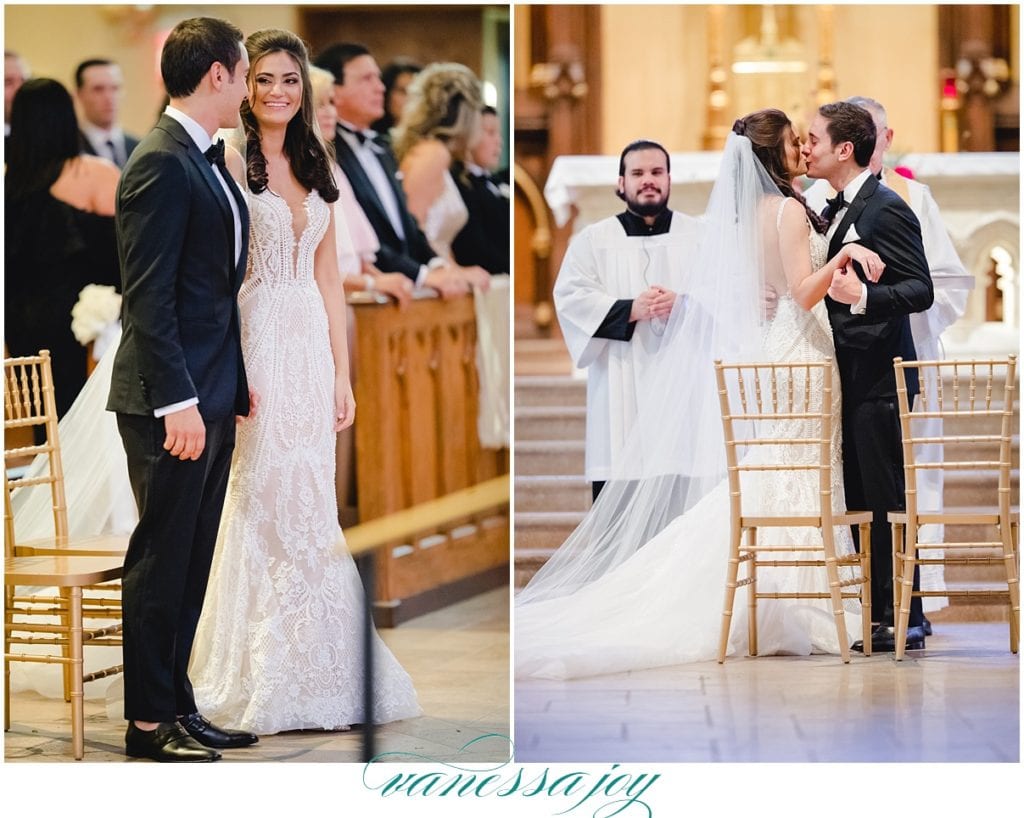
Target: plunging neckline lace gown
x,y
279,645
663,605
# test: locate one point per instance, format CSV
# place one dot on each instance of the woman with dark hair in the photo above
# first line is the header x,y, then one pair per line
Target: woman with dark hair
x,y
279,643
640,582
59,230
396,76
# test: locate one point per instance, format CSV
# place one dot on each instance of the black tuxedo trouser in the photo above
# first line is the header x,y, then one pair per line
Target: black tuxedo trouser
x,y
873,472
168,561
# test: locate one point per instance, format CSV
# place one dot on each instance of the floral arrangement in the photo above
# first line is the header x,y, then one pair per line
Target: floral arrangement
x,y
98,306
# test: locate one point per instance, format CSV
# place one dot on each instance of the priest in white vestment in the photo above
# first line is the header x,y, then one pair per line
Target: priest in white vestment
x,y
926,327
617,285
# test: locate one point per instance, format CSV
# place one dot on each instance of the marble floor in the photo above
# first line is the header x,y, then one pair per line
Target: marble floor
x,y
458,660
958,700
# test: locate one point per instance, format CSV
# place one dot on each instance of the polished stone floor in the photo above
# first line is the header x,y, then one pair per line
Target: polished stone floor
x,y
458,660
958,700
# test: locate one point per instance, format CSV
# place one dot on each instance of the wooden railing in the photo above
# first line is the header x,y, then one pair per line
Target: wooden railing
x,y
415,386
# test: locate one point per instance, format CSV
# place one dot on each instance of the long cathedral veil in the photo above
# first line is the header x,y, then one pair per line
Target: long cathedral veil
x,y
674,454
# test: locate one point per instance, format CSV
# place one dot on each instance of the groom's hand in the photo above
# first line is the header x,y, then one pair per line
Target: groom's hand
x,y
845,287
186,434
254,403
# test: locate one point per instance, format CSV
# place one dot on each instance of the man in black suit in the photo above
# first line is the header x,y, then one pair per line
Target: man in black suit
x,y
485,238
178,380
371,168
871,326
99,87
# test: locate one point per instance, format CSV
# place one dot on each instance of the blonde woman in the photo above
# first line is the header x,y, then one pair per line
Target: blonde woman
x,y
439,124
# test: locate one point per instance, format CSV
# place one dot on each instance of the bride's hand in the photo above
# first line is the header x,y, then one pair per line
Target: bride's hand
x,y
870,262
344,402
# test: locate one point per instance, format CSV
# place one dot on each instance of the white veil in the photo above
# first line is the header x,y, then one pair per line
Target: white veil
x,y
674,455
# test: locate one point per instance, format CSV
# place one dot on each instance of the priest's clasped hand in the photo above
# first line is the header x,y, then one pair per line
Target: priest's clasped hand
x,y
654,302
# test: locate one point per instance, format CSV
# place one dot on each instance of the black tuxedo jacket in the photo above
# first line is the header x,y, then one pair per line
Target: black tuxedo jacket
x,y
179,313
130,144
866,344
395,254
485,238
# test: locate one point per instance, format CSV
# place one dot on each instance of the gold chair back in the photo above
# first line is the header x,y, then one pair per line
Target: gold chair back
x,y
966,407
777,422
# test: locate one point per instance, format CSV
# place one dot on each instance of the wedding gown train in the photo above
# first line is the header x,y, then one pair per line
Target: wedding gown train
x,y
663,605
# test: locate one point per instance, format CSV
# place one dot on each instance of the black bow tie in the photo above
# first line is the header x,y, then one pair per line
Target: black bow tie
x,y
836,204
361,136
215,155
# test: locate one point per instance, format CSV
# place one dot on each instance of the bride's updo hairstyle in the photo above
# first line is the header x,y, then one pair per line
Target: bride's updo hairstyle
x,y
302,145
767,131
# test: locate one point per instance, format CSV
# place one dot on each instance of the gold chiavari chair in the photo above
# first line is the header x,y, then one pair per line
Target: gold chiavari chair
x,y
777,419
52,622
974,400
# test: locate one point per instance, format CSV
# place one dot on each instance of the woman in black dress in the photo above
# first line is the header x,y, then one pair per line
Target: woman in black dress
x,y
59,222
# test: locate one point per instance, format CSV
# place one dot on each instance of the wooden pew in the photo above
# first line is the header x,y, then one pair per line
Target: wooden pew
x,y
416,439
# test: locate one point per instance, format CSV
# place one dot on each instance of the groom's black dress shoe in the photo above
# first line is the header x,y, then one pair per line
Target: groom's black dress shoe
x,y
168,742
926,626
210,735
883,639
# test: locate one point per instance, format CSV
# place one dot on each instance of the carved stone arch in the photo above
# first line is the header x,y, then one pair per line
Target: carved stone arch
x,y
976,253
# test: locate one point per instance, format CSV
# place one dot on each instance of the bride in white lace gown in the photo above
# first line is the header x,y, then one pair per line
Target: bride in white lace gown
x,y
624,593
279,642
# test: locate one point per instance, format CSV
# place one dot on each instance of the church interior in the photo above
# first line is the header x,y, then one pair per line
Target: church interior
x,y
439,569
587,81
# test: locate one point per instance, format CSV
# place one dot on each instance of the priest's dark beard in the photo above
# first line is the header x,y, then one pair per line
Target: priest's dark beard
x,y
648,208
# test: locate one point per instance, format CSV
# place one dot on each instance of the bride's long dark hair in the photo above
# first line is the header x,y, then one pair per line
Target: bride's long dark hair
x,y
766,130
302,145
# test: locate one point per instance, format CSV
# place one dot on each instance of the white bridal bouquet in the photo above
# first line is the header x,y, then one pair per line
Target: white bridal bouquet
x,y
95,317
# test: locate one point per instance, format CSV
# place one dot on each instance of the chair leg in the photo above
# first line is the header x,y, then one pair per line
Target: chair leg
x,y
865,591
752,593
897,565
8,620
907,591
65,619
730,594
77,703
1012,585
835,590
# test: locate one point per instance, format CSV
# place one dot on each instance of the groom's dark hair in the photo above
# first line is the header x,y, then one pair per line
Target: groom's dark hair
x,y
851,123
192,47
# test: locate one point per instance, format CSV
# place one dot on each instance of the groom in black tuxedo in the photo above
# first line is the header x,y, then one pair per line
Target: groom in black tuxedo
x,y
871,326
178,380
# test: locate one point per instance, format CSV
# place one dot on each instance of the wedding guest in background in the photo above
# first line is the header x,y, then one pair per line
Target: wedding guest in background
x,y
16,71
396,77
440,122
485,239
59,230
357,248
372,170
99,87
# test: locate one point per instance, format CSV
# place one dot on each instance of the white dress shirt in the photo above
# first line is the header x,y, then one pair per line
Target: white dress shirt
x,y
367,153
106,142
849,194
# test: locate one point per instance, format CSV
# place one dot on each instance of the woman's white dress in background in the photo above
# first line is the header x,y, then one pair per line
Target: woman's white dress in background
x,y
663,605
279,642
445,218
